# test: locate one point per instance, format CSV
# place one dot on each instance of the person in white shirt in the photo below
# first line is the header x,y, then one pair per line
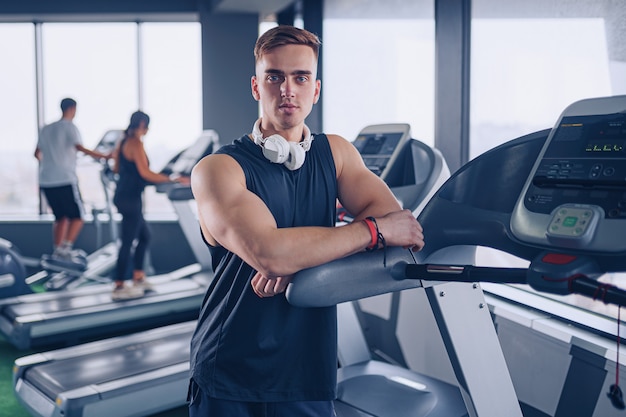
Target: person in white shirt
x,y
56,151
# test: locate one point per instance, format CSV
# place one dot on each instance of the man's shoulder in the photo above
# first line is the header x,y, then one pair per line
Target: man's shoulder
x,y
50,125
332,137
61,123
337,142
49,128
234,146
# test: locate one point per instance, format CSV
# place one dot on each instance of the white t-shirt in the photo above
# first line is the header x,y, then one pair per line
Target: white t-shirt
x,y
57,142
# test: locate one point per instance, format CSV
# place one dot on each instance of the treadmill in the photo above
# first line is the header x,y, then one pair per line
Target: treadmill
x,y
59,275
12,271
557,198
412,169
87,313
148,372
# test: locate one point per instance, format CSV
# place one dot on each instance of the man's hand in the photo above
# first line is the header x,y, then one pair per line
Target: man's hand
x,y
400,228
269,287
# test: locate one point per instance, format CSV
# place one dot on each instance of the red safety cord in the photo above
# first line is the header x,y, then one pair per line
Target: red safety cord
x,y
619,321
615,392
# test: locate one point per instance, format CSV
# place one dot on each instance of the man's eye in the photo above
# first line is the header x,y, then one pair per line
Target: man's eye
x,y
303,79
275,78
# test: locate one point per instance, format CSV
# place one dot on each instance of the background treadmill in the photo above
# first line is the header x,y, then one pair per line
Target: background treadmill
x,y
102,261
141,374
542,205
87,313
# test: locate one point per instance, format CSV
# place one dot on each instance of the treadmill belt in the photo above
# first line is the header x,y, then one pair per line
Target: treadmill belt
x,y
97,299
104,366
61,304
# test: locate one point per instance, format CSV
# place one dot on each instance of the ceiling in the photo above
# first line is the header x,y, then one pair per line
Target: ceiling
x,y
130,10
188,10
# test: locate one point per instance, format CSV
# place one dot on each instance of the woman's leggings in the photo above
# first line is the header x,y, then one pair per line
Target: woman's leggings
x,y
134,226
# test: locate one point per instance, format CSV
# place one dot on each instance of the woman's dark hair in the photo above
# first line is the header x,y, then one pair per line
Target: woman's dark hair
x,y
135,122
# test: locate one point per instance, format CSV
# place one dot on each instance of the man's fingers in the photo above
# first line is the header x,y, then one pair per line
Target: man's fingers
x,y
264,287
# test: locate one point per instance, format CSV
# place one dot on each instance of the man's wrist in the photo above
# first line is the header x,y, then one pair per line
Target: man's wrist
x,y
373,229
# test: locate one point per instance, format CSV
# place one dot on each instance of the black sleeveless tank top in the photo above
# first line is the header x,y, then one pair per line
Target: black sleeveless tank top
x,y
130,184
247,348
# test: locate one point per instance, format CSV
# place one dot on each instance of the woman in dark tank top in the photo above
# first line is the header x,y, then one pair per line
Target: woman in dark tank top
x,y
132,166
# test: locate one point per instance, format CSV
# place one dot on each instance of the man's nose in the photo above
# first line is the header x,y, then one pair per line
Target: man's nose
x,y
286,89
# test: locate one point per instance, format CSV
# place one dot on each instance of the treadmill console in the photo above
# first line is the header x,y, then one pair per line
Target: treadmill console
x,y
575,196
183,163
380,145
109,140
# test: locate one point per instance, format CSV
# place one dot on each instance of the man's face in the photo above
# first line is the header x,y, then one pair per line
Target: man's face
x,y
71,112
286,86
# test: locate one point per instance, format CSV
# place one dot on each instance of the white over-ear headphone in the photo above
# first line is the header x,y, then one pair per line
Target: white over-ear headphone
x,y
279,150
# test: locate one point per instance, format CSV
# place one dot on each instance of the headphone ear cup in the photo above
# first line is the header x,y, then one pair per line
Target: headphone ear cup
x,y
276,149
296,156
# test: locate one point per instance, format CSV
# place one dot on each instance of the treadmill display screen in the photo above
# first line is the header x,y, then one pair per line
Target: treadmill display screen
x,y
109,140
377,144
377,149
590,137
575,197
584,163
604,147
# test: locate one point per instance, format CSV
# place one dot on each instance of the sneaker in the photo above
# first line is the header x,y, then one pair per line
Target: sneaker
x,y
62,253
65,260
126,293
78,254
143,283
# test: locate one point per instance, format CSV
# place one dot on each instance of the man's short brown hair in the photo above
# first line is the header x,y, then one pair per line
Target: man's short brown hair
x,y
285,35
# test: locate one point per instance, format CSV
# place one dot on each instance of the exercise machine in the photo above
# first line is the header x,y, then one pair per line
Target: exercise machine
x,y
557,199
416,173
12,271
133,375
61,274
87,313
412,169
153,366
380,145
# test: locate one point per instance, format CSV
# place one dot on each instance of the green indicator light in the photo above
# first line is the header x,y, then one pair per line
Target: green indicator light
x,y
570,221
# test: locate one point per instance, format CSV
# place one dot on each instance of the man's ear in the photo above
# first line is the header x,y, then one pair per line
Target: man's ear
x,y
318,88
254,86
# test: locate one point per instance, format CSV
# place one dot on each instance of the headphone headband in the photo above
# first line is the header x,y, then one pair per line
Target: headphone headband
x,y
257,135
279,150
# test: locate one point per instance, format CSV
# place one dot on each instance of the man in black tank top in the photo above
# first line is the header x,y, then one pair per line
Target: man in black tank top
x,y
266,206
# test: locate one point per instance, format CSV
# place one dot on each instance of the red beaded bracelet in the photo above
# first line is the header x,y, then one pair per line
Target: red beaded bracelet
x,y
373,232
